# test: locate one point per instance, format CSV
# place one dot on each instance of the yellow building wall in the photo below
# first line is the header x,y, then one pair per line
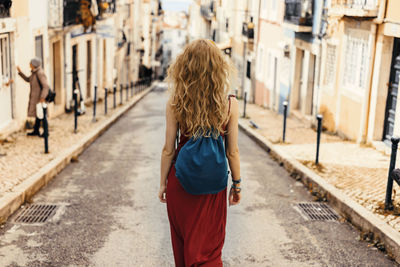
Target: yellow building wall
x,y
328,110
349,117
393,10
342,110
271,37
262,94
329,96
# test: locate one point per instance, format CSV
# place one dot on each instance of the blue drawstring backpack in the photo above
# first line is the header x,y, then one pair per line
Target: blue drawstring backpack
x,y
201,165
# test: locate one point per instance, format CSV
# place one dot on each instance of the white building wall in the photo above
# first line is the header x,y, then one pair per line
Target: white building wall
x,y
28,20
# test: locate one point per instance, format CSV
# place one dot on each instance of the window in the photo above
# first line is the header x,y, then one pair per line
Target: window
x,y
285,70
248,69
330,65
274,10
271,68
269,10
5,57
260,62
39,47
264,9
356,60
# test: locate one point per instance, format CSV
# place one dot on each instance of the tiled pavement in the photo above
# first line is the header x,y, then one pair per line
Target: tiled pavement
x,y
359,171
22,156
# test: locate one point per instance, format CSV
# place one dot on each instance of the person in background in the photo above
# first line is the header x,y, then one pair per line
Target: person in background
x,y
39,90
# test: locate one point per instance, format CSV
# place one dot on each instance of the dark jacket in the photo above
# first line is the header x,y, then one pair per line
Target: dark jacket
x,y
37,92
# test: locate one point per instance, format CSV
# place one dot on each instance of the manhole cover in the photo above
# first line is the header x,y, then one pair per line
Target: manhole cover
x,y
316,211
36,213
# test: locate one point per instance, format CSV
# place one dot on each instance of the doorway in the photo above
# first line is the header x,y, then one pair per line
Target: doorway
x,y
301,80
391,100
88,69
275,81
306,85
74,67
310,86
104,64
6,97
57,70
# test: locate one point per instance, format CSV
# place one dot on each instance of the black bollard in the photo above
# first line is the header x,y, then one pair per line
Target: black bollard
x,y
285,105
244,104
121,89
46,129
237,93
94,103
105,100
76,110
131,88
115,96
389,187
319,129
127,91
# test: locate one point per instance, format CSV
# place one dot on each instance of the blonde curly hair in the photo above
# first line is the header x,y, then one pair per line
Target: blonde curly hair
x,y
199,80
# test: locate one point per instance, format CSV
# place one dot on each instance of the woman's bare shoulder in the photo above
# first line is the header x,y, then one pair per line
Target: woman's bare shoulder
x,y
234,103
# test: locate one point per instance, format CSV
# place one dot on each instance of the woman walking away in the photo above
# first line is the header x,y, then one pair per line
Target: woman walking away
x,y
39,90
194,176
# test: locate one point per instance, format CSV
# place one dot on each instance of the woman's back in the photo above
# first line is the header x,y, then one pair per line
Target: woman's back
x,y
199,107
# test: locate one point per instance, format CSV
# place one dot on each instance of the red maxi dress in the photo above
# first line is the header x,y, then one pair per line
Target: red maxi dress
x,y
197,223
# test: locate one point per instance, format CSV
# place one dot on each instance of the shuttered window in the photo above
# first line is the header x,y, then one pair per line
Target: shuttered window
x,y
330,67
356,60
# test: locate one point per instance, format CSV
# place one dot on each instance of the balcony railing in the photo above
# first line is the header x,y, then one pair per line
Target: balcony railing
x,y
208,11
355,4
357,8
299,12
76,11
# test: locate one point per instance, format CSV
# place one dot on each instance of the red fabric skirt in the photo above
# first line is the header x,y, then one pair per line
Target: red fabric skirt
x,y
197,225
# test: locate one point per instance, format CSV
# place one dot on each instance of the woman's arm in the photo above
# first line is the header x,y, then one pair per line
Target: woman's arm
x,y
232,150
168,151
23,76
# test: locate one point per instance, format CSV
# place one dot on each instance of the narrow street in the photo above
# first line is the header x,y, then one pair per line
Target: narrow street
x,y
109,213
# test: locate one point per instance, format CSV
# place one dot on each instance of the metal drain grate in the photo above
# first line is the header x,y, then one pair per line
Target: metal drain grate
x,y
316,211
36,213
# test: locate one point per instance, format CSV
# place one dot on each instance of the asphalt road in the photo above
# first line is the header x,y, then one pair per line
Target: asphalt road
x,y
109,214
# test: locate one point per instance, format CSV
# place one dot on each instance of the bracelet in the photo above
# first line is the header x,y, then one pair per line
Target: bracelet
x,y
236,181
236,189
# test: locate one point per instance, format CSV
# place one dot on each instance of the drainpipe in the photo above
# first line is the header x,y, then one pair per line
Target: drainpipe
x,y
377,21
381,12
368,100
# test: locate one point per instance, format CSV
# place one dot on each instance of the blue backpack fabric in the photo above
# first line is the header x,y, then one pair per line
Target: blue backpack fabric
x,y
201,165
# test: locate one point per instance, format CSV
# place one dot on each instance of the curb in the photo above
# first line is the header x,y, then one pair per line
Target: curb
x,y
23,192
353,212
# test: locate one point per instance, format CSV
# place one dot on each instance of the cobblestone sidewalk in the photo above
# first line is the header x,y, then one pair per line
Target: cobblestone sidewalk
x,y
22,155
358,171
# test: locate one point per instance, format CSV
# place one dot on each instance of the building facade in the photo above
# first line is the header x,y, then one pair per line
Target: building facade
x,y
273,57
82,44
335,58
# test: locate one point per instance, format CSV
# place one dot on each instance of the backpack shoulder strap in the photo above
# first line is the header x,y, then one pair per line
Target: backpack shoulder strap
x,y
229,109
229,98
40,84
